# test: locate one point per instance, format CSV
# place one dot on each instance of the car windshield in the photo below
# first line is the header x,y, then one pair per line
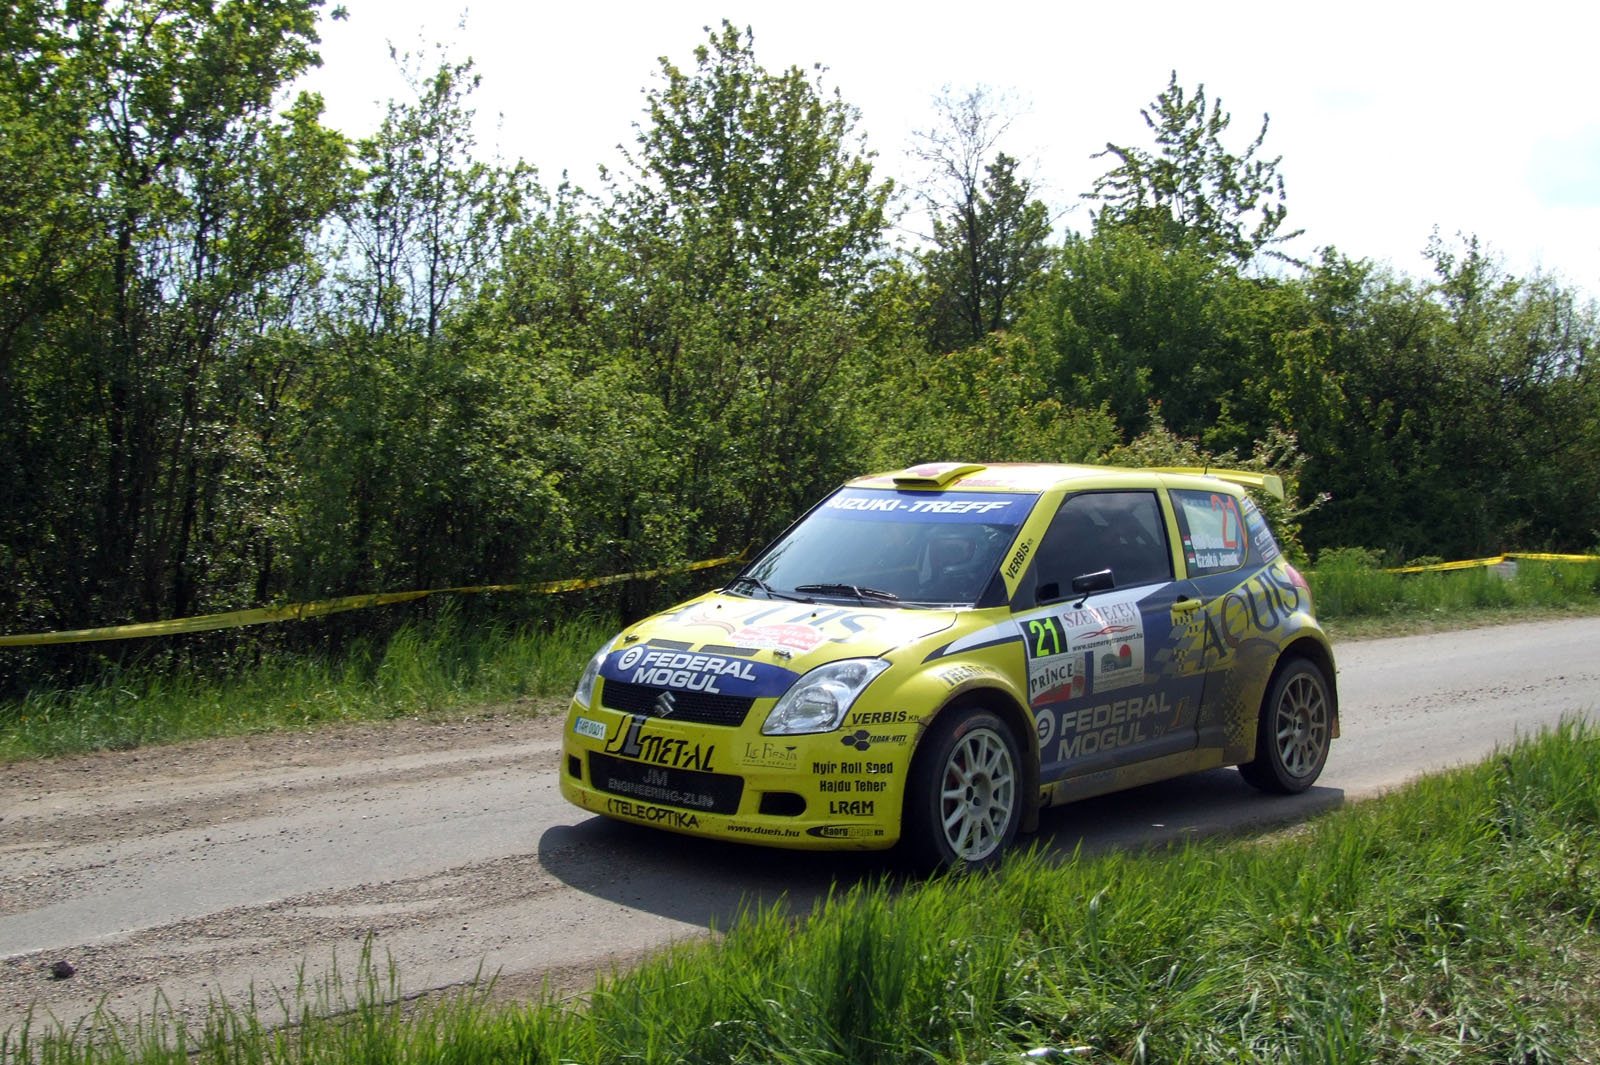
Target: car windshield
x,y
907,548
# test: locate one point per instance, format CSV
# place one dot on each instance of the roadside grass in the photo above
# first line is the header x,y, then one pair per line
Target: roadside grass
x,y
441,667
444,666
1355,598
1452,921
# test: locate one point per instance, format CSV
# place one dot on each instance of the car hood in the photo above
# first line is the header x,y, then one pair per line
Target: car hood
x,y
797,636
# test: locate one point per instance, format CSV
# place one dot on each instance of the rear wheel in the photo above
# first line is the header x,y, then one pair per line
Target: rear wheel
x,y
964,799
1295,729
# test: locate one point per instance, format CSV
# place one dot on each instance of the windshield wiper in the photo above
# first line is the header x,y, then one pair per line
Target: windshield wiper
x,y
860,593
772,593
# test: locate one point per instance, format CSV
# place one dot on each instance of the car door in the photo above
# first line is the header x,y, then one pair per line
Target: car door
x,y
1229,554
1102,622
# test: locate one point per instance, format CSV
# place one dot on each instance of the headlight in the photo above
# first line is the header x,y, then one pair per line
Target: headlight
x,y
819,700
585,690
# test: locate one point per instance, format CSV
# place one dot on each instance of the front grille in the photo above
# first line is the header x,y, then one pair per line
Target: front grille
x,y
686,789
699,708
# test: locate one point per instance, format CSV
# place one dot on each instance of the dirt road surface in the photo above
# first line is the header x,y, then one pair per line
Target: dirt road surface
x,y
211,868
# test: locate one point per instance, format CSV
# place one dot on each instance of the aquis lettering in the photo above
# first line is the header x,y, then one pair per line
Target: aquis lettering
x,y
646,746
1260,604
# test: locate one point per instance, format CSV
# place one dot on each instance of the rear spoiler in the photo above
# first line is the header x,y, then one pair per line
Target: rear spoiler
x,y
1269,483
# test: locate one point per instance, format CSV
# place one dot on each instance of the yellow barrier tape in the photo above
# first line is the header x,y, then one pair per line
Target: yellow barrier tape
x,y
301,611
1512,556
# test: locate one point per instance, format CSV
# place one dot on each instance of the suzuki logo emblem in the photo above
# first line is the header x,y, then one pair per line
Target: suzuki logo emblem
x,y
666,703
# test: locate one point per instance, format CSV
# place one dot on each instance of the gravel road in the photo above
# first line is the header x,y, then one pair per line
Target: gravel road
x,y
208,869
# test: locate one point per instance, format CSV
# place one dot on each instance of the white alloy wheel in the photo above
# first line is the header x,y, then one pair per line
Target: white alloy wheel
x,y
978,795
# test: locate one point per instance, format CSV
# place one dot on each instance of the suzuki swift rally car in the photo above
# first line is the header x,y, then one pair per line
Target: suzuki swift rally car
x,y
930,657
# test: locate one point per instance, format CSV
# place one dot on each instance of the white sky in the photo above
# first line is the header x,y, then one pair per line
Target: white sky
x,y
1391,118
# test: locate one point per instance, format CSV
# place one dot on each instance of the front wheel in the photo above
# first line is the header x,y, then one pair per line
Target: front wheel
x,y
964,800
1295,729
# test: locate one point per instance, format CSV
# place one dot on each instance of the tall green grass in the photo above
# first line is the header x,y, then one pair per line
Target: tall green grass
x,y
1350,584
1455,921
430,667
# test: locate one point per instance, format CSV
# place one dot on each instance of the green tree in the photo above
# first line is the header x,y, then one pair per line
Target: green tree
x,y
989,235
405,479
1192,190
1467,403
751,230
176,201
1126,323
990,402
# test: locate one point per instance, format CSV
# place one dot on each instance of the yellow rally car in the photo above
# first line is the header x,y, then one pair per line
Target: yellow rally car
x,y
932,656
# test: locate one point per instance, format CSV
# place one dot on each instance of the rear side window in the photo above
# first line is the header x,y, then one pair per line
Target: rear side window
x,y
1212,526
1265,546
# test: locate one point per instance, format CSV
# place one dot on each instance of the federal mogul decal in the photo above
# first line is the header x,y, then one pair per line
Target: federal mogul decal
x,y
657,667
1105,727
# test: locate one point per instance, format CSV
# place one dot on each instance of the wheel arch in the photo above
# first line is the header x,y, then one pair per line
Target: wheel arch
x,y
1320,655
1004,706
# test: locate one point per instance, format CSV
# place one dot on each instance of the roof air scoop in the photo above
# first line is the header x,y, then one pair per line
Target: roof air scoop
x,y
934,474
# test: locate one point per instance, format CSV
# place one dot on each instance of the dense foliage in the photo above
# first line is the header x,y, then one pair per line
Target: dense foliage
x,y
245,359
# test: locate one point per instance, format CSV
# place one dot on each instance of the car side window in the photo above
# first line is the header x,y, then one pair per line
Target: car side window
x,y
1095,531
1213,531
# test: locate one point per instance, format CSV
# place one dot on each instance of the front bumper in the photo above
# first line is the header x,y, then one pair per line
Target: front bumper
x,y
827,791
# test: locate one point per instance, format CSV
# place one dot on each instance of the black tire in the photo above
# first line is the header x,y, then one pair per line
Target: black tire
x,y
1294,731
964,799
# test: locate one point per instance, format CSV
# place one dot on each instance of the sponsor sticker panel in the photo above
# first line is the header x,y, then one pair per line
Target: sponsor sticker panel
x,y
643,742
652,815
779,627
1266,546
1083,652
865,504
845,832
686,790
769,754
